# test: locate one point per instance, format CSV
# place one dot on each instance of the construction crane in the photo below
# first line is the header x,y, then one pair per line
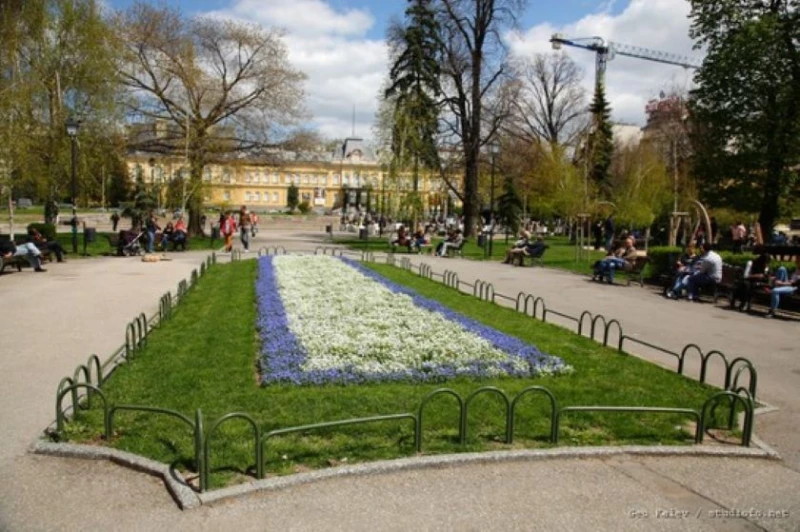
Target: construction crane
x,y
606,50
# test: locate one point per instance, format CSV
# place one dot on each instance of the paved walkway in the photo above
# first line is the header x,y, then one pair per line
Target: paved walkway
x,y
52,322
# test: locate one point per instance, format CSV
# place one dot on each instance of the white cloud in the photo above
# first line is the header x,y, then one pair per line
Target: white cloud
x,y
344,68
655,24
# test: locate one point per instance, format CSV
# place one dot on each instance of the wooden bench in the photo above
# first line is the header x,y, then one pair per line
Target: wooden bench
x,y
14,261
636,272
453,251
534,258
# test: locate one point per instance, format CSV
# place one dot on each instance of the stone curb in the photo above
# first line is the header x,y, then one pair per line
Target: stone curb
x,y
188,498
184,495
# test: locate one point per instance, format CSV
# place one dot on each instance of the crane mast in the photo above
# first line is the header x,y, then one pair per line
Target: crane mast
x,y
605,51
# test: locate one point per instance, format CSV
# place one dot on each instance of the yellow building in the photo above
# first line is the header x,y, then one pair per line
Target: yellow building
x,y
262,183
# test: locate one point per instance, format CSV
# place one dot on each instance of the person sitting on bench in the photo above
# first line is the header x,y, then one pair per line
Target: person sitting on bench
x,y
783,286
179,236
454,242
28,250
708,273
623,258
518,248
402,238
53,247
685,266
755,275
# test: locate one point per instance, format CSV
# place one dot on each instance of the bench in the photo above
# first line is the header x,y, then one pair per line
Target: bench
x,y
14,261
539,256
636,272
457,250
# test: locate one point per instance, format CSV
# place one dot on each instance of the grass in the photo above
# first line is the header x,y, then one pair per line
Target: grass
x,y
205,357
560,253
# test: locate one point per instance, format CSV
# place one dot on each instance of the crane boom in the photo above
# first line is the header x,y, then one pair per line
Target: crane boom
x,y
606,50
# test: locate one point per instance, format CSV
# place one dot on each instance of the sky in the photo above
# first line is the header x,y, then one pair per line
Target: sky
x,y
340,45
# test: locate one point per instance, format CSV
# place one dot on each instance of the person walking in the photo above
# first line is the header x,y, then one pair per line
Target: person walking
x,y
245,226
114,221
227,227
151,226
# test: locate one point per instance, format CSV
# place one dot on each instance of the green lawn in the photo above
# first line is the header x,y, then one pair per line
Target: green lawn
x,y
560,253
206,357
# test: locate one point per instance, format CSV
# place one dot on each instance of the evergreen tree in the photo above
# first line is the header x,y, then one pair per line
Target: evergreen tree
x,y
509,206
292,197
601,139
415,86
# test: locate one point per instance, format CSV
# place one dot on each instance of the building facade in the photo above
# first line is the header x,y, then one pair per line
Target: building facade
x,y
347,178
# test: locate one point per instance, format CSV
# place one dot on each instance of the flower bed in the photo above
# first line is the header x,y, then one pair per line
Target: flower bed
x,y
323,319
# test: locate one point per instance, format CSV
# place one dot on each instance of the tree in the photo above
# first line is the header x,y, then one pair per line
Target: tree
x,y
746,106
220,87
640,185
292,197
57,59
414,89
548,102
509,206
474,61
600,144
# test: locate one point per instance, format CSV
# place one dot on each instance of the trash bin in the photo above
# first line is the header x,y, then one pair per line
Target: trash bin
x,y
214,232
362,233
89,234
482,240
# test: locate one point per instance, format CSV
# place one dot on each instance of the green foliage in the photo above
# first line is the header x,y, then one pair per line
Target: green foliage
x,y
197,360
47,230
641,186
746,106
292,197
662,260
414,88
509,206
601,140
57,59
304,207
560,189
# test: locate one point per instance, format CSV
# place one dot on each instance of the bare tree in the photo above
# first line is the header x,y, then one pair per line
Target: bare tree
x,y
474,62
547,100
220,87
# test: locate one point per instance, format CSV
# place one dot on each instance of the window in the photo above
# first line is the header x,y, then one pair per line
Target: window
x,y
248,177
207,173
275,177
335,179
305,179
314,180
226,176
226,195
323,180
256,196
247,196
274,197
346,180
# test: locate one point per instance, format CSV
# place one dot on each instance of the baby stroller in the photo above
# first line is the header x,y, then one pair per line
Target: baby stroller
x,y
130,243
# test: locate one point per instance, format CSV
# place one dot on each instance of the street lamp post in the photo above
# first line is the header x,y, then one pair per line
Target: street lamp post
x,y
493,147
73,126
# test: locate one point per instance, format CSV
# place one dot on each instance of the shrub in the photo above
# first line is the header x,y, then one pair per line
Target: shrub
x,y
662,260
304,207
47,230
